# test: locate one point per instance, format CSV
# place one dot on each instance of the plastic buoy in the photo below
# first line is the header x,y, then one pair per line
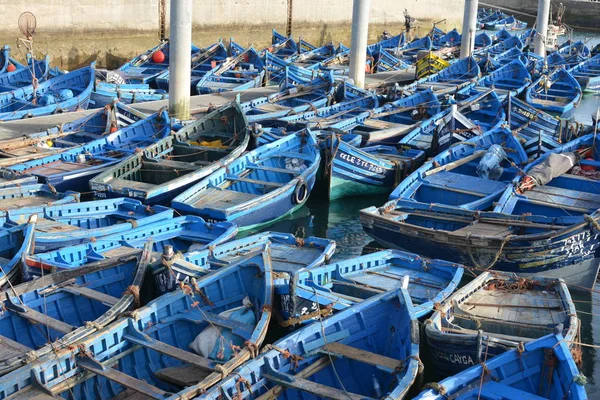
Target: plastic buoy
x,y
158,56
367,68
113,128
11,68
588,167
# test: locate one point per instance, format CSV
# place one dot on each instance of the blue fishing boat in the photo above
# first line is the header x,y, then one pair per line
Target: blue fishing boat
x,y
291,99
450,39
68,92
73,168
501,47
471,175
557,93
540,132
574,52
388,62
489,62
340,285
166,168
129,93
243,71
346,356
390,43
309,58
54,311
509,80
34,72
595,51
183,234
476,112
448,80
477,322
283,46
280,70
351,171
260,187
587,74
6,60
69,135
542,369
510,23
186,341
288,255
409,51
15,243
74,223
482,40
35,195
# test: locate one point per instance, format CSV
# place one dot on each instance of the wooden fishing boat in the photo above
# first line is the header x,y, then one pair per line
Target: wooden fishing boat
x,y
283,46
183,234
501,47
388,124
457,177
73,168
74,223
539,132
346,356
25,75
291,100
574,51
243,71
15,243
260,187
409,51
69,135
314,56
557,93
476,112
482,40
530,246
478,321
448,80
389,43
34,195
488,62
187,362
511,79
68,92
202,62
54,311
6,60
387,62
588,74
429,64
129,93
542,369
340,285
351,171
288,255
279,70
168,167
450,39
510,23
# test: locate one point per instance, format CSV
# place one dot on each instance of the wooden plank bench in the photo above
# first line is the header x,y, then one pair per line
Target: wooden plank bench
x,y
39,318
341,350
254,181
92,295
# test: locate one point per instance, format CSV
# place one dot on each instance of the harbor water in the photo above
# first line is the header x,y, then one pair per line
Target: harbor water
x,y
339,220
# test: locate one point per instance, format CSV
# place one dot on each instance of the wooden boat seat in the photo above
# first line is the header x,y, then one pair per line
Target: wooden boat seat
x,y
92,294
216,198
267,108
124,184
30,393
337,349
56,167
273,169
255,181
487,230
9,348
47,225
453,181
36,317
314,388
182,375
181,165
565,198
195,316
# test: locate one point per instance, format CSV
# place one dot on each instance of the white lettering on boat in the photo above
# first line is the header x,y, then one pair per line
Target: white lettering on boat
x,y
453,358
361,163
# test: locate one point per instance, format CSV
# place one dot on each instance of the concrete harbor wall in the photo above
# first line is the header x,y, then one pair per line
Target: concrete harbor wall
x,y
75,32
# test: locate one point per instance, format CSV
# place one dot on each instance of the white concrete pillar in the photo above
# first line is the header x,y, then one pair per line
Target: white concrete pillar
x,y
469,28
360,33
541,27
180,44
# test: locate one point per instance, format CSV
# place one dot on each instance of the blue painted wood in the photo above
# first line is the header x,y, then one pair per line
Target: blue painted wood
x,y
258,187
75,223
343,284
68,92
458,341
23,76
519,375
587,74
65,171
510,79
129,93
159,335
184,234
244,71
15,243
558,93
168,167
380,330
27,195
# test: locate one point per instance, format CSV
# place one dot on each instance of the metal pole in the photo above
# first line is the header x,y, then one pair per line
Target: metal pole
x,y
180,46
542,27
360,32
469,28
290,8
